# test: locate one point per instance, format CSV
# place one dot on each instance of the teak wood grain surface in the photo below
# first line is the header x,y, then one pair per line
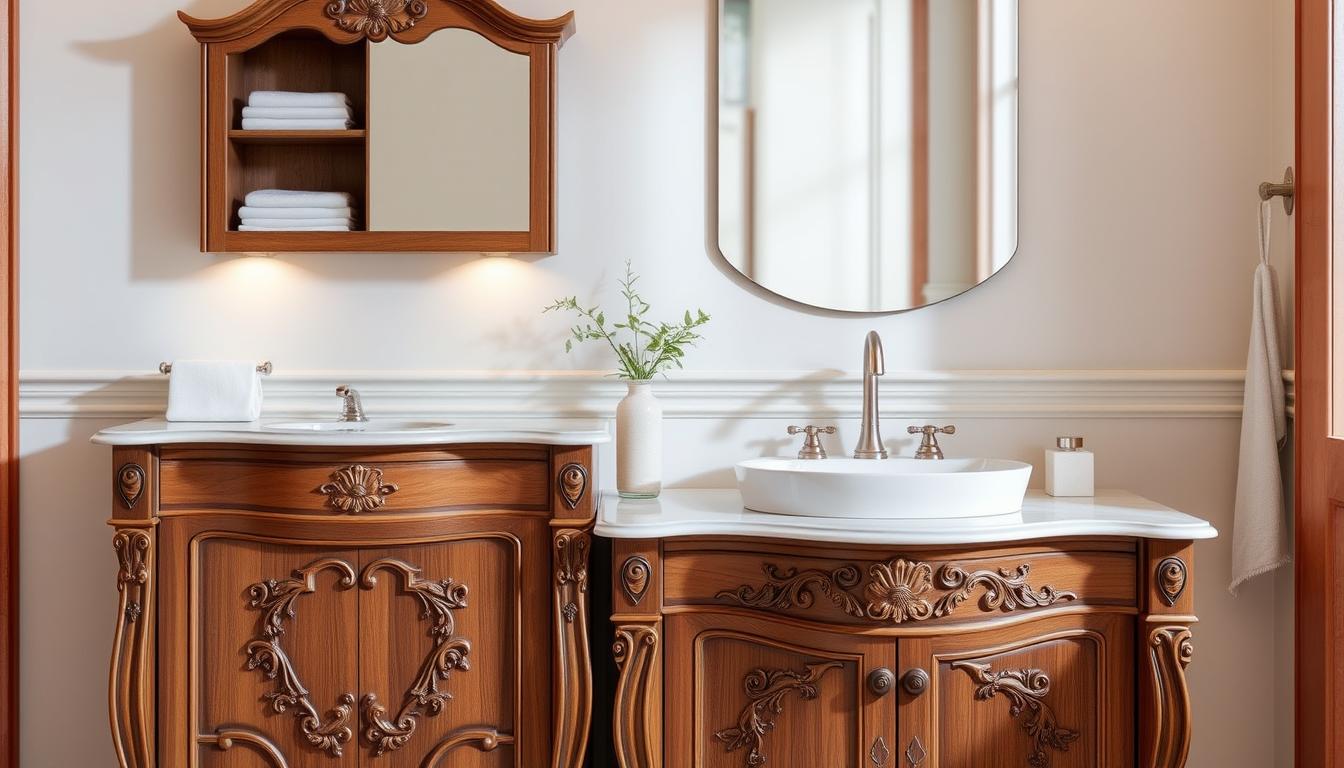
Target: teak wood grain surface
x,y
273,613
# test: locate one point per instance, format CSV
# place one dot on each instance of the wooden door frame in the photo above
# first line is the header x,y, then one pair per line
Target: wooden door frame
x,y
9,390
1319,650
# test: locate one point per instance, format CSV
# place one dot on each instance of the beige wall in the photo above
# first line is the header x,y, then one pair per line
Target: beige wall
x,y
1146,126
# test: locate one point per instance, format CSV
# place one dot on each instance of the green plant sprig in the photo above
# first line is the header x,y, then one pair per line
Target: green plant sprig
x,y
652,349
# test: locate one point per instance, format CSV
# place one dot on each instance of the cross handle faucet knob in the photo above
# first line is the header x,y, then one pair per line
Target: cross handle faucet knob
x,y
928,447
812,443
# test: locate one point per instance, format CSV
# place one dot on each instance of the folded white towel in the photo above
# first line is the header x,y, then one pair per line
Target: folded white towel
x,y
343,212
296,99
299,113
286,124
1260,537
214,390
287,223
296,198
252,228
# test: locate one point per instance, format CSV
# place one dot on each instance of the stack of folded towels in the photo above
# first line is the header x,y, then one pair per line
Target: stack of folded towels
x,y
292,210
293,111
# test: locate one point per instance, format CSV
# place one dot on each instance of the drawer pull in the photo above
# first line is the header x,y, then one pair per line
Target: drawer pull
x,y
915,682
880,681
357,489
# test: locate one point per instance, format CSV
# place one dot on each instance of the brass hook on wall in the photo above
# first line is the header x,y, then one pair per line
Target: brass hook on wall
x,y
1287,190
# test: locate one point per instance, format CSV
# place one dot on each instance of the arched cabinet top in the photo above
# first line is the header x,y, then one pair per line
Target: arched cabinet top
x,y
351,20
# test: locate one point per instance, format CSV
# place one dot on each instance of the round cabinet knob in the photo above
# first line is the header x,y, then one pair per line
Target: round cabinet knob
x,y
915,682
880,681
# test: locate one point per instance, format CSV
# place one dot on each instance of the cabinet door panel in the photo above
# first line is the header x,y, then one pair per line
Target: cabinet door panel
x,y
448,656
274,670
740,695
1051,694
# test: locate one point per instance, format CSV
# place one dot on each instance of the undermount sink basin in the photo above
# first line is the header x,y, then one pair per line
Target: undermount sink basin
x,y
887,488
372,426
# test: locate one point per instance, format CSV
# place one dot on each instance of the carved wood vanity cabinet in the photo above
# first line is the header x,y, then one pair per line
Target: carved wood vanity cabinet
x,y
749,640
291,606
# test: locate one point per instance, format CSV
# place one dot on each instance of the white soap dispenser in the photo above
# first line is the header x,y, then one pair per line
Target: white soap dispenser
x,y
1069,468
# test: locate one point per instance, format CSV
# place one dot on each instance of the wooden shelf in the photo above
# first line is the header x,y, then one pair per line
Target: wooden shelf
x,y
298,137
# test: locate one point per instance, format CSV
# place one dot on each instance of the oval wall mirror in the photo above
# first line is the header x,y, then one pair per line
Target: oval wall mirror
x,y
866,149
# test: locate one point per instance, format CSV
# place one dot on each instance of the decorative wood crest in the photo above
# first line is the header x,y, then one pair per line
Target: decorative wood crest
x,y
635,574
897,591
131,692
428,693
130,484
1171,578
132,548
375,19
351,15
573,484
634,650
1170,651
275,599
879,753
357,489
572,669
571,559
766,690
1025,690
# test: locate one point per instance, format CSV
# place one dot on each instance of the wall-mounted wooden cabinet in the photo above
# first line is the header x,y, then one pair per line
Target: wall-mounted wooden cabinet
x,y
450,145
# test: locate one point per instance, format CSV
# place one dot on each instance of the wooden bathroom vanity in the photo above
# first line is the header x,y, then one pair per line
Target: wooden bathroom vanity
x,y
292,600
1056,637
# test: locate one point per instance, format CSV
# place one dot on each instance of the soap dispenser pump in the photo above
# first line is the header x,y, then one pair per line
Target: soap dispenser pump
x,y
1069,469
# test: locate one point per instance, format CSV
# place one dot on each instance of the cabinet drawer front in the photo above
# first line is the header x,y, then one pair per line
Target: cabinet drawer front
x,y
358,488
899,589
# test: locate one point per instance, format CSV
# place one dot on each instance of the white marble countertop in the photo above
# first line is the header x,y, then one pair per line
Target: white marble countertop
x,y
720,513
159,432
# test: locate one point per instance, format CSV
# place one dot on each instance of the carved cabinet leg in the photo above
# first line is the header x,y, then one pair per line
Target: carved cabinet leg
x,y
1165,730
130,687
638,726
574,673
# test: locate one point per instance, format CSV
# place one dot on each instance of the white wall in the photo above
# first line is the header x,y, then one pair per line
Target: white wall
x,y
1145,129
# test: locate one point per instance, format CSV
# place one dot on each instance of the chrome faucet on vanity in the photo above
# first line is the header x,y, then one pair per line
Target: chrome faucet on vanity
x,y
353,409
870,431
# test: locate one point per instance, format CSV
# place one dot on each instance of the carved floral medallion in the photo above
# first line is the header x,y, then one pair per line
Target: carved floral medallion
x,y
1025,690
357,489
573,484
897,591
376,19
635,574
1171,578
766,692
130,484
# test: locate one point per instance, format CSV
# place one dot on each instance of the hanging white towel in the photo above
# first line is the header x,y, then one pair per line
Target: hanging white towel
x,y
214,390
296,99
293,198
1260,539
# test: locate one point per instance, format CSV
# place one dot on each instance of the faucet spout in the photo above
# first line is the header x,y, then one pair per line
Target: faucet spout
x,y
870,430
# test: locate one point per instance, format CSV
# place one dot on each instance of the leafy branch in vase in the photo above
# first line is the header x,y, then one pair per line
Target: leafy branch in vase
x,y
650,349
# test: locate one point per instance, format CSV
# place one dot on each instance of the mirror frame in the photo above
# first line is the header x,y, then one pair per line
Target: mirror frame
x,y
539,39
714,9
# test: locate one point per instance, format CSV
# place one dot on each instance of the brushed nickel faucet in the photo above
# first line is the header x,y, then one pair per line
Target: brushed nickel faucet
x,y
353,410
812,448
870,431
928,447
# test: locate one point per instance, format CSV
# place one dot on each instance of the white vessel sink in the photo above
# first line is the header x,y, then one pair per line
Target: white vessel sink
x,y
372,426
887,488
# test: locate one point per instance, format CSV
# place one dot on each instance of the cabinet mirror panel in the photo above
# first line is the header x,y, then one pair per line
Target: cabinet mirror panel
x,y
448,135
867,149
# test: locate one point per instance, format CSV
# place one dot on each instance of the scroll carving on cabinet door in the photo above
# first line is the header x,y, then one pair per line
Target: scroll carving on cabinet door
x,y
276,599
1025,690
766,691
1169,653
896,592
357,489
376,19
428,694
